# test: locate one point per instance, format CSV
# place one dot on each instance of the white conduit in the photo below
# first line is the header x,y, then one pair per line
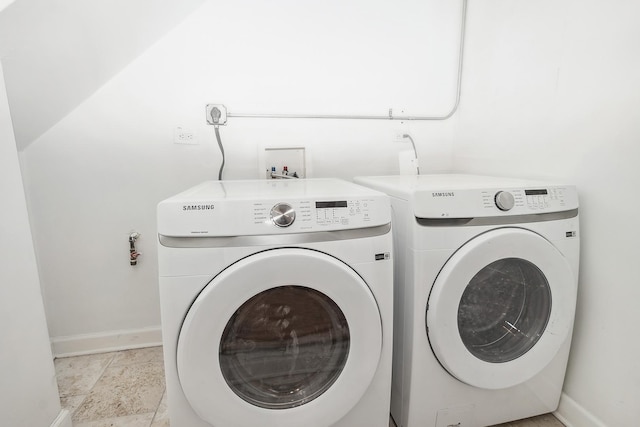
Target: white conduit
x,y
390,116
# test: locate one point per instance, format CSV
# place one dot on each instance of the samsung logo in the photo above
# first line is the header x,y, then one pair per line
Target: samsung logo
x,y
444,194
197,207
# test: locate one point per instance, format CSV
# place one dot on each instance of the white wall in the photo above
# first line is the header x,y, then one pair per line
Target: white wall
x,y
57,53
551,90
28,390
99,173
5,3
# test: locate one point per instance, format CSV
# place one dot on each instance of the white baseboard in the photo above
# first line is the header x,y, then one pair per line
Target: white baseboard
x,y
571,414
63,419
76,345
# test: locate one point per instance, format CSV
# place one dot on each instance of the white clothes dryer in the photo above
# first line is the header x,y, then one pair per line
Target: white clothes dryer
x,y
276,301
485,278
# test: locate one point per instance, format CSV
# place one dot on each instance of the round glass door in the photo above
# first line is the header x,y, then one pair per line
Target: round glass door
x,y
282,338
504,310
501,308
284,347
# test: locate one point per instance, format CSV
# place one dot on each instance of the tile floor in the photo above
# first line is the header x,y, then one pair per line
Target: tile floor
x,y
126,389
119,389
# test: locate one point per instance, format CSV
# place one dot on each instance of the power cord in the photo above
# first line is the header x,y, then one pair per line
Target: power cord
x,y
215,116
406,135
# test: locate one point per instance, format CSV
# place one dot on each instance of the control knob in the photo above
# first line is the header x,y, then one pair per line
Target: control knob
x,y
504,200
283,215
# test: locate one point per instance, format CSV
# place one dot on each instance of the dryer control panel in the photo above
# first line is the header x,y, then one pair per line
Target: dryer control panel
x,y
474,203
532,199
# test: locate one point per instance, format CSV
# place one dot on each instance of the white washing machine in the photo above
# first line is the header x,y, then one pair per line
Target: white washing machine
x,y
486,276
276,300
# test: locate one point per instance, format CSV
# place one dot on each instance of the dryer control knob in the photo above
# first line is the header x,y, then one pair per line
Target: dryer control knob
x,y
504,200
283,215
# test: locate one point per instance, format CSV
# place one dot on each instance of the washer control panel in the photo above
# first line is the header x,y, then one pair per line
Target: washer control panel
x,y
341,212
263,207
543,198
315,215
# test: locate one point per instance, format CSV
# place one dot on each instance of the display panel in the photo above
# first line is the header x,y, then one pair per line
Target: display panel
x,y
329,205
542,192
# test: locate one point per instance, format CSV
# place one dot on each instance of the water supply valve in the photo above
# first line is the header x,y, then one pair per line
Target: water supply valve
x,y
133,253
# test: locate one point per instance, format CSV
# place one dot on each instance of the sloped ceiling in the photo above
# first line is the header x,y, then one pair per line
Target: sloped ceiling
x,y
56,53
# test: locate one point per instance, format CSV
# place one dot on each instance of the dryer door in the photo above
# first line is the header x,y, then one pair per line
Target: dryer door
x,y
285,337
501,308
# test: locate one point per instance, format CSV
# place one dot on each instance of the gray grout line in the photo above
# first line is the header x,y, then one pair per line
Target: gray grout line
x,y
158,407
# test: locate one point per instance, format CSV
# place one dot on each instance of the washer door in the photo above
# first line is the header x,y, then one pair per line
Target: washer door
x,y
501,308
285,337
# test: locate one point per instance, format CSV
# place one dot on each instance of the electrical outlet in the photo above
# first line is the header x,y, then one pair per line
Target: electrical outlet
x,y
216,114
400,129
183,135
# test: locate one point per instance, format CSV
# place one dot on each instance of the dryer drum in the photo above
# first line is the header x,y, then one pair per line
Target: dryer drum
x,y
504,310
284,347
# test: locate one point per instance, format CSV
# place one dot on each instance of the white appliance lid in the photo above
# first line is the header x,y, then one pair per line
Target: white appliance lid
x,y
263,189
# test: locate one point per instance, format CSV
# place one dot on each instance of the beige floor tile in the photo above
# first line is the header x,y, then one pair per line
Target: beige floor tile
x,y
161,419
141,420
71,403
124,390
546,420
76,375
140,355
160,423
518,423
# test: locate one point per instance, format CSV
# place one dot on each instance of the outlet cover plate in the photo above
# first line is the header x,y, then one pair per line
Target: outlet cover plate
x,y
223,114
182,135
